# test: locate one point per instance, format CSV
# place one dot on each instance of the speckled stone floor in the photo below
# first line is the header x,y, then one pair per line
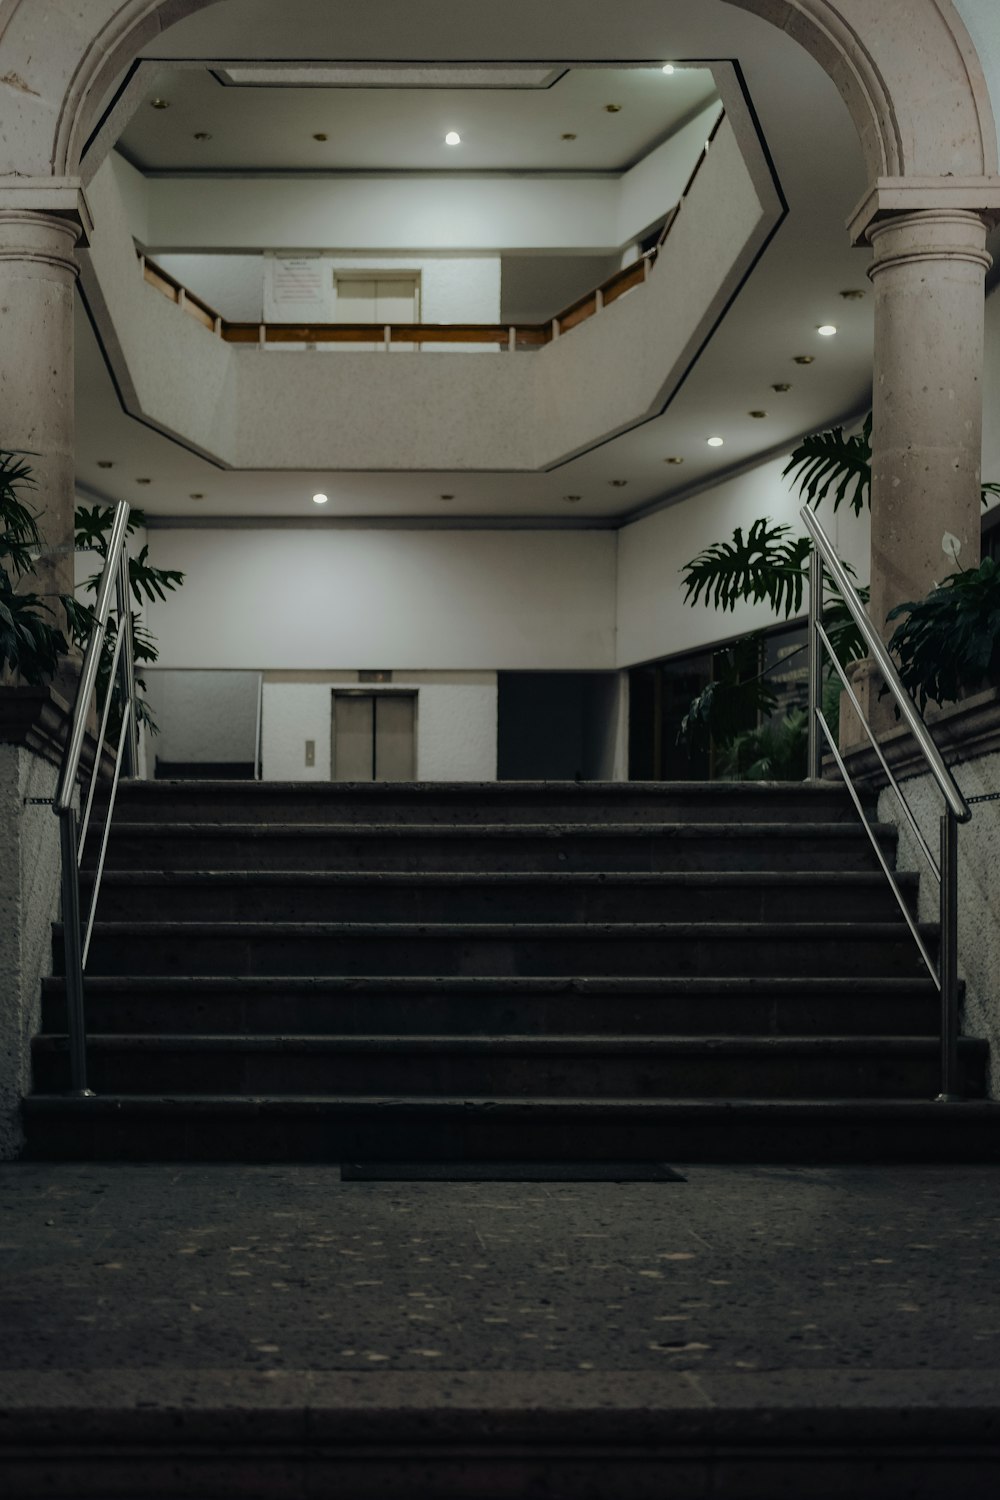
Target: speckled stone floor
x,y
288,1268
802,1299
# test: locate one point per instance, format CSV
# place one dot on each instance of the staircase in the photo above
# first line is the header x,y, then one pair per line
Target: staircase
x,y
507,971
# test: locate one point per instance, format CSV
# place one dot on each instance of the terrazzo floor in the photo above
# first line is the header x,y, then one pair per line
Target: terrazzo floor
x,y
840,1272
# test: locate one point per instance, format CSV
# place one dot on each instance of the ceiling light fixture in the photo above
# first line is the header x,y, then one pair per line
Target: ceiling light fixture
x,y
716,442
446,497
572,499
320,136
759,415
669,68
674,460
854,294
320,499
569,135
781,387
613,109
144,481
105,463
453,138
618,484
203,135
827,330
197,495
160,103
805,359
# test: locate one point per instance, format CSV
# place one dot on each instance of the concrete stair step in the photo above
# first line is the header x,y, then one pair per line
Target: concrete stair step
x,y
482,802
747,847
880,949
218,1127
471,896
505,1066
559,1005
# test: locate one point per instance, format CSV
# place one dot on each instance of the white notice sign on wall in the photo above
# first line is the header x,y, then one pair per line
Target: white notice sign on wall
x,y
297,289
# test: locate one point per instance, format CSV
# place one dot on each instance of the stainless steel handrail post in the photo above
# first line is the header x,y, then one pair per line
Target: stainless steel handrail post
x,y
73,956
815,767
128,665
950,1081
945,974
114,581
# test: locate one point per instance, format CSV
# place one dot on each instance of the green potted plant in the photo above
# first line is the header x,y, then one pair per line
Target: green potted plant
x,y
948,643
31,642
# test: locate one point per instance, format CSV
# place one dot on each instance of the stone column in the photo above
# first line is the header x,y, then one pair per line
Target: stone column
x,y
928,273
38,273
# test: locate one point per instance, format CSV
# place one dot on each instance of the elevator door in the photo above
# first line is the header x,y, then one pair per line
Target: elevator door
x,y
374,736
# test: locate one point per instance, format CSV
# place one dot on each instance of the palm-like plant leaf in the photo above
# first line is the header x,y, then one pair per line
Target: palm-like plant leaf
x,y
827,459
767,564
18,522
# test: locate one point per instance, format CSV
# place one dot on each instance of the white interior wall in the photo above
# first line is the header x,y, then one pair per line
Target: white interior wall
x,y
656,182
362,213
653,620
232,285
456,727
991,392
203,716
453,289
403,599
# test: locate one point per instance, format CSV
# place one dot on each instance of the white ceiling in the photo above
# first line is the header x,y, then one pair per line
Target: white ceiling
x,y
385,129
794,288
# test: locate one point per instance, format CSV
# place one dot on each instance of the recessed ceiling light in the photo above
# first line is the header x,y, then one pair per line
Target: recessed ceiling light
x,y
758,414
827,330
716,442
572,499
854,294
805,359
320,499
144,481
613,109
160,103
668,68
203,135
105,463
453,138
446,497
197,495
618,484
673,460
321,136
781,387
569,135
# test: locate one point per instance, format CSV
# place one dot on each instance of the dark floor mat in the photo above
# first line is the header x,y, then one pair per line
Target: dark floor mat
x,y
509,1171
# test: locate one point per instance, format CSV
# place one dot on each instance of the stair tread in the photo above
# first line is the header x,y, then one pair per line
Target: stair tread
x,y
499,929
461,878
496,790
637,984
503,1042
550,830
245,1104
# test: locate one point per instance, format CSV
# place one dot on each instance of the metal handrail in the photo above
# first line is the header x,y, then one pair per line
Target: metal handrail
x,y
113,588
945,871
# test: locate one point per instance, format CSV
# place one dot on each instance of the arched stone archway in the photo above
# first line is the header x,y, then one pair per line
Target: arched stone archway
x,y
915,88
913,82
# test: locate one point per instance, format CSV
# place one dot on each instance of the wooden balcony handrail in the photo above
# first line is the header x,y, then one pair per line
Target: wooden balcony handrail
x,y
515,336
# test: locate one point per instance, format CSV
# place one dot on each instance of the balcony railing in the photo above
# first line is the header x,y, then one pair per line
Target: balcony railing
x,y
506,337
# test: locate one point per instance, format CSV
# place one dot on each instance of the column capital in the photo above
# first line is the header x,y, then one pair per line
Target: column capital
x,y
60,198
935,234
889,197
